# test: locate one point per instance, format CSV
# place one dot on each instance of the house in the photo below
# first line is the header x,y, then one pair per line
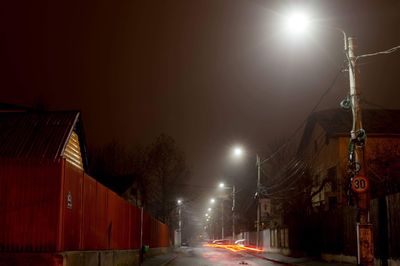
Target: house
x,y
52,211
324,145
43,136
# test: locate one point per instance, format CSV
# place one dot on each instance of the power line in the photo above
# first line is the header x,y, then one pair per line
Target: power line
x,y
291,138
385,52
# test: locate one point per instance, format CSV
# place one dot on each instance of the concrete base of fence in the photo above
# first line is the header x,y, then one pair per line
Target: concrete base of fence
x,y
101,258
157,251
353,259
79,258
31,259
339,258
393,262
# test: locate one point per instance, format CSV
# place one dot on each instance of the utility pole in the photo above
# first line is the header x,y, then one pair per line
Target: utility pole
x,y
179,233
365,249
180,224
222,218
258,200
233,214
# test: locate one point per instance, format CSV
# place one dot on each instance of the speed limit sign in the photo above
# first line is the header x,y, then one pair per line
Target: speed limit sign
x,y
359,184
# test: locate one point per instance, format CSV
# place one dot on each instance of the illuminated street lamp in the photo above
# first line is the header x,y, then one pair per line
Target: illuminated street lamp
x,y
238,152
179,202
299,22
209,220
222,186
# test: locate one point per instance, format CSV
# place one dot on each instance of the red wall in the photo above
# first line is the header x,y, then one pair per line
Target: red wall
x,y
53,206
72,185
29,205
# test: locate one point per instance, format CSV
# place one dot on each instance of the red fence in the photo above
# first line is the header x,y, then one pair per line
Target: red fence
x,y
53,206
29,205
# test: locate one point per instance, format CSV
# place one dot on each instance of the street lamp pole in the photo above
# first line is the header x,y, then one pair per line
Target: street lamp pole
x,y
179,223
258,200
222,219
222,186
233,214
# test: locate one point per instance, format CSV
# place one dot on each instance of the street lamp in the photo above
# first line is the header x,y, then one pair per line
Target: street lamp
x,y
179,202
297,22
238,152
365,255
222,186
209,219
356,154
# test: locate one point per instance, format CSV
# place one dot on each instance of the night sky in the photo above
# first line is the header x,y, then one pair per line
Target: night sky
x,y
209,73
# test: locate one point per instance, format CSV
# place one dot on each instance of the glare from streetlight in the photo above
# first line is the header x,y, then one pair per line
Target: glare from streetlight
x,y
212,200
221,185
179,202
297,22
209,209
206,214
237,151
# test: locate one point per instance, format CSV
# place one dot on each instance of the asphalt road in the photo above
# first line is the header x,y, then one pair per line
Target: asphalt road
x,y
207,256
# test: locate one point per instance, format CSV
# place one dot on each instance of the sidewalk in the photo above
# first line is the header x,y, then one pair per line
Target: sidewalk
x,y
164,259
160,260
303,261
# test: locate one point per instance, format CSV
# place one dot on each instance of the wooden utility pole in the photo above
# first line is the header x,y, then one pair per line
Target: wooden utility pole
x,y
365,248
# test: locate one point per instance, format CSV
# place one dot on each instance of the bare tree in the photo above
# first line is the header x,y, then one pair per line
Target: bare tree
x,y
166,168
150,175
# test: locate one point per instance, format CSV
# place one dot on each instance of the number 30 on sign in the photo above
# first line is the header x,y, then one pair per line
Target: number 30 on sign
x,y
359,184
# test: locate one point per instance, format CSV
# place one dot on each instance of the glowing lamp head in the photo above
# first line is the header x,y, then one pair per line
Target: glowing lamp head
x,y
297,22
237,151
221,185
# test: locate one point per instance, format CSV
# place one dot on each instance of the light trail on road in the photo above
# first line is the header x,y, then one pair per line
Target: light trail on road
x,y
218,255
234,248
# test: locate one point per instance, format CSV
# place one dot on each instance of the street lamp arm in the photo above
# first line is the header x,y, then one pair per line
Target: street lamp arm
x,y
346,46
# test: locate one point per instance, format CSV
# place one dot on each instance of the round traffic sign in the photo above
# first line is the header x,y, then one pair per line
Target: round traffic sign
x,y
359,184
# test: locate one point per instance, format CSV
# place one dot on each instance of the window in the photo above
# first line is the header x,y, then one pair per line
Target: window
x,y
332,178
332,203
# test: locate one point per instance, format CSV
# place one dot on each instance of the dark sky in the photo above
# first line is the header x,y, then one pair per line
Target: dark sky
x,y
210,73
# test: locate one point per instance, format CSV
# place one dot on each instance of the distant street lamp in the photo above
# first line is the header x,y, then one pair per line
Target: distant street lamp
x,y
222,186
238,152
179,202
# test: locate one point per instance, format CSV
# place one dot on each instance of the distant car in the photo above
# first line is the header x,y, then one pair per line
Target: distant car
x,y
221,242
184,244
240,242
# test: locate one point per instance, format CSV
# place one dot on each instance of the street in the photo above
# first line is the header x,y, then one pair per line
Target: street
x,y
208,256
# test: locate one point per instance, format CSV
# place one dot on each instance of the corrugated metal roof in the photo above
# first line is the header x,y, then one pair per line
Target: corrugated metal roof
x,y
35,135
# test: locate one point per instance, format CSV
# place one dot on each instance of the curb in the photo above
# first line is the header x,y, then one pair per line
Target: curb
x,y
272,260
169,260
